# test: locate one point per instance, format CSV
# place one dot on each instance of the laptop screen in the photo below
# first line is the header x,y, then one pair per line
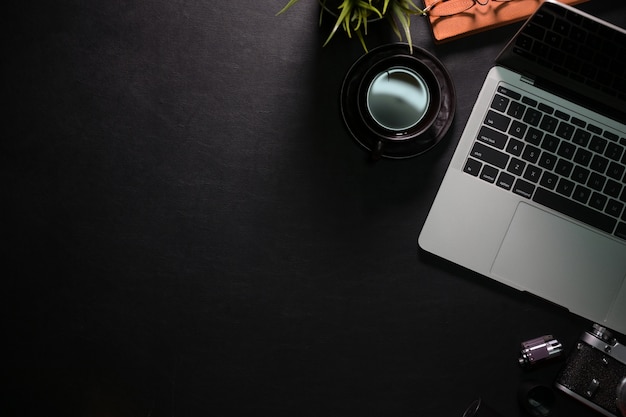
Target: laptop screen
x,y
573,55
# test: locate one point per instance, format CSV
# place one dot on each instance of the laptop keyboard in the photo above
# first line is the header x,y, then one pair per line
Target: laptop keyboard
x,y
553,157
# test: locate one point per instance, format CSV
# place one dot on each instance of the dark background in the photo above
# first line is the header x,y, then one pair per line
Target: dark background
x,y
190,230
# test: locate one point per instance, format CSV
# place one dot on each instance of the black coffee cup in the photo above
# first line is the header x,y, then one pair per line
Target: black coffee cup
x,y
397,104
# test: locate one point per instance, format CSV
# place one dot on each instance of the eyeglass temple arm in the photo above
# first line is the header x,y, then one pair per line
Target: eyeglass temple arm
x,y
429,8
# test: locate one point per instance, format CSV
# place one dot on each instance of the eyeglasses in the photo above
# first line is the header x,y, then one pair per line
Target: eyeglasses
x,y
443,8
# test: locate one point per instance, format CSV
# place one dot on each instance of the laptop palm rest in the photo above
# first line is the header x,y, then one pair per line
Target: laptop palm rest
x,y
586,278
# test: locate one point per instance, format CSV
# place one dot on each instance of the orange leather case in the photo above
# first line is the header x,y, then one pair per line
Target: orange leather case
x,y
480,18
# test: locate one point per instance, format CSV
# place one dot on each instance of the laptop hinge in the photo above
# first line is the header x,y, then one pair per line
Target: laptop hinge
x,y
527,80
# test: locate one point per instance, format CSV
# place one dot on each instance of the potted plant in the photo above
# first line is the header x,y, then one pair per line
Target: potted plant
x,y
353,16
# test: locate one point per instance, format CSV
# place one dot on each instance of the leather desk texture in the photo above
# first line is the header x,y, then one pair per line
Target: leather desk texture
x,y
190,230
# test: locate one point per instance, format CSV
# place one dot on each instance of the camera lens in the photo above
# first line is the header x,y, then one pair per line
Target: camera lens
x,y
537,400
478,409
472,409
621,397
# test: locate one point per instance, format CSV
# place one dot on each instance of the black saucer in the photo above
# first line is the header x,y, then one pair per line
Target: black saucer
x,y
406,141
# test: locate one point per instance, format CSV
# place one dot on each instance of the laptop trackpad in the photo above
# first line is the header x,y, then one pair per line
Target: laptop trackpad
x,y
562,262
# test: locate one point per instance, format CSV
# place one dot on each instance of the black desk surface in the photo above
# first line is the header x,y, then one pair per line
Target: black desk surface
x,y
190,230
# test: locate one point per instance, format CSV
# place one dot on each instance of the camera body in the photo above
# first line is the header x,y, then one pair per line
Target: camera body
x,y
595,372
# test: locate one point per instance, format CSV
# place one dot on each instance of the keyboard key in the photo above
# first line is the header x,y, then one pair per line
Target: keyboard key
x,y
590,25
548,180
581,137
563,167
492,137
531,154
578,35
562,27
580,123
566,150
500,103
489,155
597,144
472,167
614,151
583,157
497,121
565,130
545,108
524,53
547,160
593,41
543,19
529,101
585,51
594,129
596,181
598,201
515,147
553,39
550,143
613,188
509,93
575,210
581,194
580,175
562,115
571,48
615,171
532,117
607,34
548,123
534,136
516,110
614,208
489,174
516,166
518,129
534,31
505,181
532,173
577,20
599,163
524,42
523,188
565,187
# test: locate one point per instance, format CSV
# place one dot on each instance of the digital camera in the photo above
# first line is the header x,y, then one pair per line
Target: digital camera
x,y
595,372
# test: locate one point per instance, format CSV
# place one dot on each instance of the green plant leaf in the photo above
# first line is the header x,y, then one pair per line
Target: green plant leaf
x,y
343,19
353,17
385,5
362,39
363,6
405,22
287,6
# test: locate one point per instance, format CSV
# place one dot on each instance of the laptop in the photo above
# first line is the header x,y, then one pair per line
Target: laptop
x,y
535,194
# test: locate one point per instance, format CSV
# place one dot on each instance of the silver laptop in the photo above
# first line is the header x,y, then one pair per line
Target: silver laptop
x,y
535,194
